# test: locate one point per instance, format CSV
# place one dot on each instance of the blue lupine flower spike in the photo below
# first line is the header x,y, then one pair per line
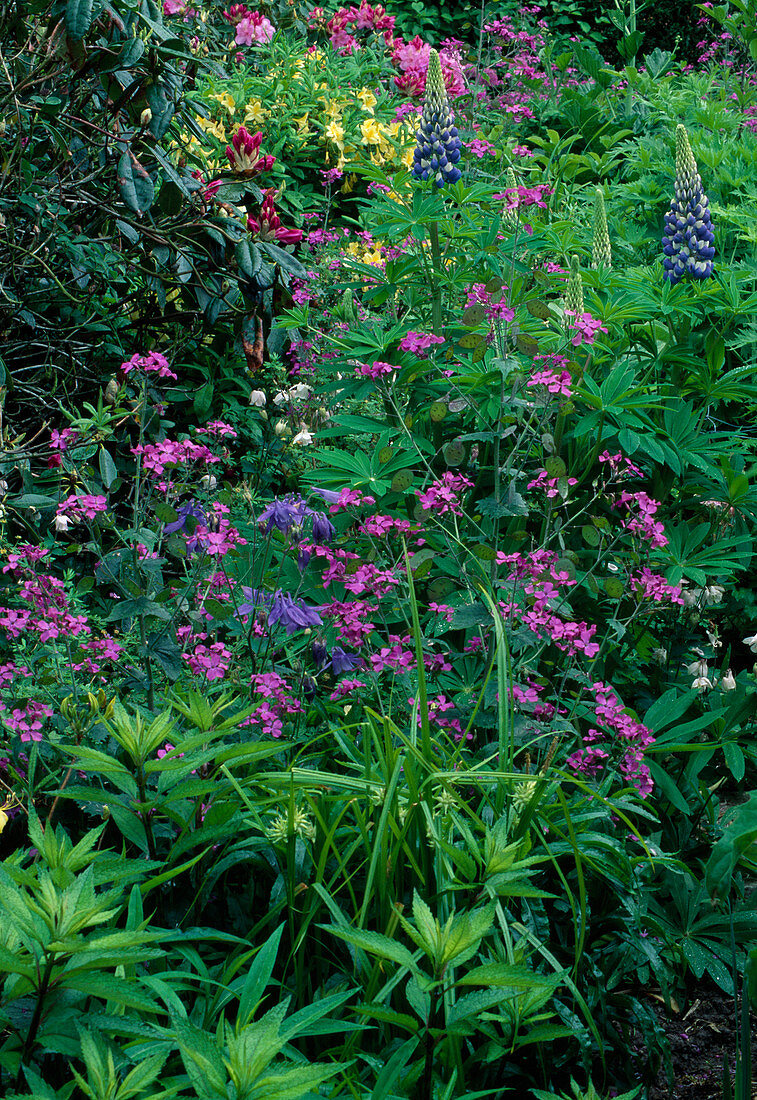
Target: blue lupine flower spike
x,y
689,242
438,148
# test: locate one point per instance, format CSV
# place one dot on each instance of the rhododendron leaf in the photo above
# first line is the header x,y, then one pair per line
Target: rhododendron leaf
x,y
134,183
285,260
248,257
79,16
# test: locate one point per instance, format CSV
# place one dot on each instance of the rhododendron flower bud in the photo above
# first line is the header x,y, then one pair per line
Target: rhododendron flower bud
x,y
268,226
244,153
688,242
438,149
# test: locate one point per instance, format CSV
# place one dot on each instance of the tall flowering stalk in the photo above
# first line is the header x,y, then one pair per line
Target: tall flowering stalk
x,y
688,243
601,253
438,149
435,158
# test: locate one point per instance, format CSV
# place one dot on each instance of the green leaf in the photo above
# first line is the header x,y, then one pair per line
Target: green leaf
x,y
202,1060
740,835
376,944
134,183
108,471
79,16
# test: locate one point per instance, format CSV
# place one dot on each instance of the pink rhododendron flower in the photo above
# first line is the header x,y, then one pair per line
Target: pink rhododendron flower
x,y
254,27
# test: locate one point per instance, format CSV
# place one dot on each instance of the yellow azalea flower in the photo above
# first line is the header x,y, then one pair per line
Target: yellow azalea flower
x,y
226,100
254,112
335,133
367,99
407,158
369,131
303,123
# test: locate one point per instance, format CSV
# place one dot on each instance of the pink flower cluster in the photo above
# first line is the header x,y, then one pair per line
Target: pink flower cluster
x,y
550,485
554,383
519,196
411,58
209,661
443,495
276,703
218,537
254,27
158,457
63,439
586,327
84,506
27,723
540,584
624,738
375,370
642,509
153,363
494,310
372,18
651,586
419,342
620,466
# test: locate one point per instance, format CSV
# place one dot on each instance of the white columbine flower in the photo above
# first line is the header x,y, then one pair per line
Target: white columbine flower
x,y
752,643
300,391
697,668
728,681
702,683
303,437
257,399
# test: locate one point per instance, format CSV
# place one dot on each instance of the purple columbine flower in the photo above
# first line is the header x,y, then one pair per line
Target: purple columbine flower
x,y
689,242
438,148
341,661
323,529
255,599
183,512
284,514
291,613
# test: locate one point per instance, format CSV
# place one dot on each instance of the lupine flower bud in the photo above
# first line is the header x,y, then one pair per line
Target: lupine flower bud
x,y
601,254
688,242
574,292
438,148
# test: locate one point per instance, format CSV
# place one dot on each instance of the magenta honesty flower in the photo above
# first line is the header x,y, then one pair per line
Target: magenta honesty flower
x,y
375,370
550,485
558,384
525,196
63,439
153,363
254,27
157,457
27,723
586,327
443,495
244,153
418,342
268,226
84,506
651,586
211,661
